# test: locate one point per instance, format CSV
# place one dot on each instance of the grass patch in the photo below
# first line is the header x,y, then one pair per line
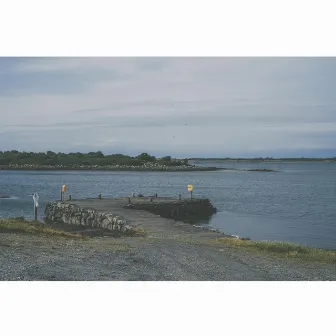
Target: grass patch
x,y
136,232
19,225
290,250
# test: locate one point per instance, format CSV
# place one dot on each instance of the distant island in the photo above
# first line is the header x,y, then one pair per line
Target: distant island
x,y
15,160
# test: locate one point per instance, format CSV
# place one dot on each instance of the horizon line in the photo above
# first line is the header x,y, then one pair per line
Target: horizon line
x,y
189,158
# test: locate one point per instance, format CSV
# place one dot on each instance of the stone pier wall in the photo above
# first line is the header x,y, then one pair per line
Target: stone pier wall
x,y
74,215
179,210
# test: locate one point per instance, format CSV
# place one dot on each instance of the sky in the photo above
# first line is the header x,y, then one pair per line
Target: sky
x,y
184,107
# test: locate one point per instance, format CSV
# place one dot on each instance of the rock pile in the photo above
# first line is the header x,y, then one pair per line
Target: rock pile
x,y
74,215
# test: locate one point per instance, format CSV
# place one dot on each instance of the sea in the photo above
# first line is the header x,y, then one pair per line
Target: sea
x,y
295,204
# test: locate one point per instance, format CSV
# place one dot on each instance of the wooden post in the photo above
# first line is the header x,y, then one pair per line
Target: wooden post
x,y
61,195
156,195
191,194
35,212
180,197
129,200
69,197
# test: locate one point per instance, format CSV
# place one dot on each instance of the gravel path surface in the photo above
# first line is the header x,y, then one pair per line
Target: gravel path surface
x,y
25,257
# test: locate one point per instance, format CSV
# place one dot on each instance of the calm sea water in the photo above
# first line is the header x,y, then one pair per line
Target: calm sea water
x,y
297,204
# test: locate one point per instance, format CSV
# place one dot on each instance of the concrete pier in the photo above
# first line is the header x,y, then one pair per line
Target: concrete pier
x,y
123,214
175,208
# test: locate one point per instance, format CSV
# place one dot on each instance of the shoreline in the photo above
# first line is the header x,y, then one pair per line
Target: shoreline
x,y
203,227
136,169
219,235
111,168
261,242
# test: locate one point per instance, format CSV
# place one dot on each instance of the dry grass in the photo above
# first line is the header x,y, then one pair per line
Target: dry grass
x,y
20,225
136,232
289,250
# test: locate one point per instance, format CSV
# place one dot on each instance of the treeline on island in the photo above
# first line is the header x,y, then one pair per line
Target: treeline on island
x,y
50,158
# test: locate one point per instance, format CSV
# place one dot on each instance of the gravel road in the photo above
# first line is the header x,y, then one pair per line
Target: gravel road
x,y
24,257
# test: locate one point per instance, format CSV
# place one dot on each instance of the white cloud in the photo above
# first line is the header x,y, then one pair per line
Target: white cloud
x,y
169,105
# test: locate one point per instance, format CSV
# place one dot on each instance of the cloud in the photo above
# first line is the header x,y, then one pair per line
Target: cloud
x,y
178,106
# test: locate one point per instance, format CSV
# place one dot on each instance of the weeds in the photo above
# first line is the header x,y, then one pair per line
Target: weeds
x,y
20,225
289,250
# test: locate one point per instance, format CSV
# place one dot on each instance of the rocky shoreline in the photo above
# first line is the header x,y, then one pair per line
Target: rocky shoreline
x,y
144,168
155,167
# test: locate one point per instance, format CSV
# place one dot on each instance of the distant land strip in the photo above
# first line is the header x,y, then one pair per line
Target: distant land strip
x,y
144,167
266,159
156,168
49,160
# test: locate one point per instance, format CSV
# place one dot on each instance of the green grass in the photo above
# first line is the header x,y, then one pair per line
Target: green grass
x,y
289,250
20,225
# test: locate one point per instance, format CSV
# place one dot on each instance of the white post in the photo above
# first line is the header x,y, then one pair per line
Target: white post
x,y
35,198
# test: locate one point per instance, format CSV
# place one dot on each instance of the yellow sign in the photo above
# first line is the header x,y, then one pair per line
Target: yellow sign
x,y
190,187
63,188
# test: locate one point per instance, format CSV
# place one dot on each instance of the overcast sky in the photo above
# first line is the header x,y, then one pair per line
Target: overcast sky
x,y
170,106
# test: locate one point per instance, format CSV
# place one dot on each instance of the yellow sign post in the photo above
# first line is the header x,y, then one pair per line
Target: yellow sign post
x,y
63,190
190,188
